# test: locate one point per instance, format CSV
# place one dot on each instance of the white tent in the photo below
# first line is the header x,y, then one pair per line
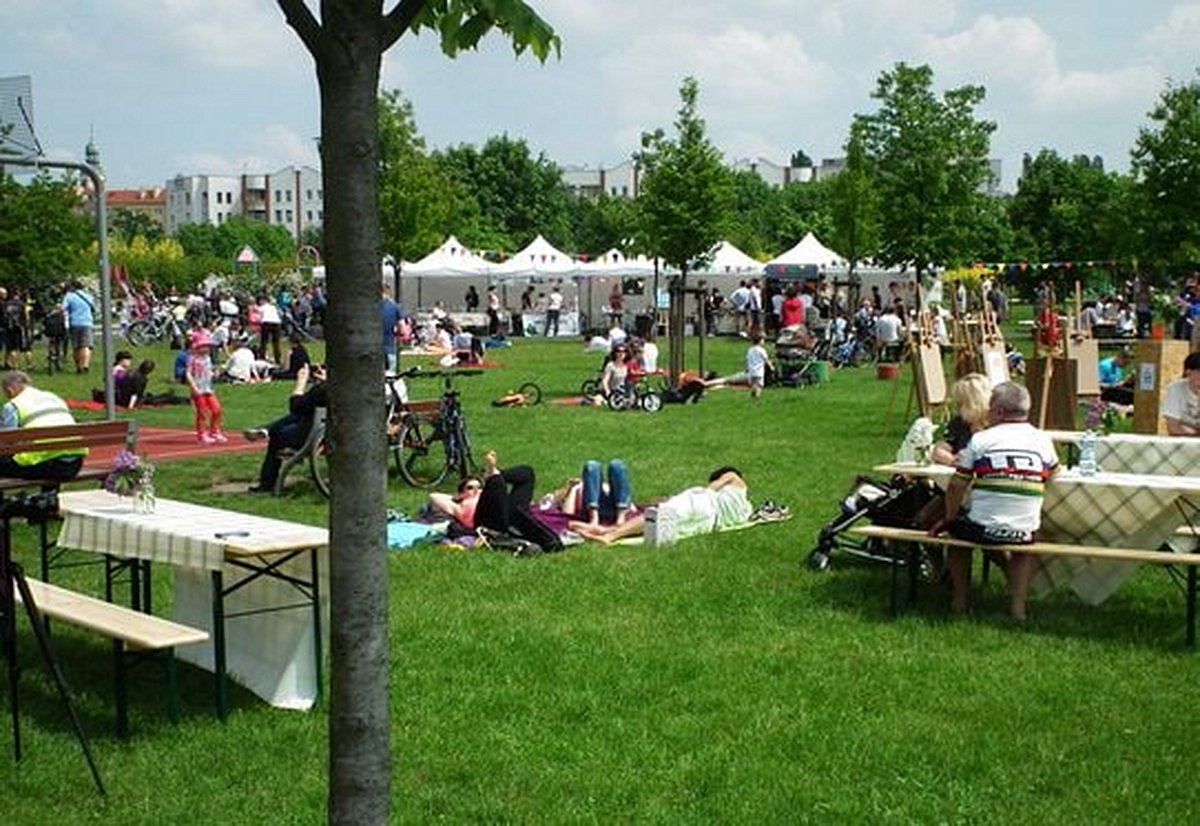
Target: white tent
x,y
540,258
450,259
809,252
729,260
614,264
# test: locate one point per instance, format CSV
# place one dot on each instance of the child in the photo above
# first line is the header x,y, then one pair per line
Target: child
x,y
757,364
200,383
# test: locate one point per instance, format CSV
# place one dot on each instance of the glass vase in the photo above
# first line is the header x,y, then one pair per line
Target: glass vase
x,y
143,499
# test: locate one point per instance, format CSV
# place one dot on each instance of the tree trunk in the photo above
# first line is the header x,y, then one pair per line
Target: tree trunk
x,y
359,726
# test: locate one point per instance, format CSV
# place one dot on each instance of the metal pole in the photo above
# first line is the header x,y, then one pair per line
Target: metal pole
x,y
97,178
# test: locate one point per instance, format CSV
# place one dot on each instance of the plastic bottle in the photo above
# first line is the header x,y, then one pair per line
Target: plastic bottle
x,y
1087,454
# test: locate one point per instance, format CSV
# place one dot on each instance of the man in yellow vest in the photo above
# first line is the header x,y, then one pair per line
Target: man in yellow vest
x,y
29,407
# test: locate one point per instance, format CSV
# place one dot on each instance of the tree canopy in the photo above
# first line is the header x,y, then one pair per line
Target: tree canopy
x,y
928,156
44,234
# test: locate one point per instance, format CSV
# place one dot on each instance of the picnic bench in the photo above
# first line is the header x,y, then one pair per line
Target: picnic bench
x,y
135,637
914,537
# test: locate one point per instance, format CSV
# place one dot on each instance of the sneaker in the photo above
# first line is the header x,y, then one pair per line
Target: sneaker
x,y
253,434
219,437
206,439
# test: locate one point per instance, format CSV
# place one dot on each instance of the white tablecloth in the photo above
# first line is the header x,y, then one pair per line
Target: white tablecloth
x,y
1141,453
269,652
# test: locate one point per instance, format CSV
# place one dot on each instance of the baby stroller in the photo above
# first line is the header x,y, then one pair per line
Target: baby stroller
x,y
797,357
895,503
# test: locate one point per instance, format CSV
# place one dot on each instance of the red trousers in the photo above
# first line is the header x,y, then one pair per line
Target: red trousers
x,y
208,407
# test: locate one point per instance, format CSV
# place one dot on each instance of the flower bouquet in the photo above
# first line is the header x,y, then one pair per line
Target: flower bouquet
x,y
132,476
1101,417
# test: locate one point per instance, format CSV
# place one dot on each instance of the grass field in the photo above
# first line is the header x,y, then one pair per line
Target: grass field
x,y
718,680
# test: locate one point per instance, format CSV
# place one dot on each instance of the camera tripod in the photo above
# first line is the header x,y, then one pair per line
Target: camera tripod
x,y
12,584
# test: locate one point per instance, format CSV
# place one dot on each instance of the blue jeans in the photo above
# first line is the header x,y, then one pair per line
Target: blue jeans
x,y
617,495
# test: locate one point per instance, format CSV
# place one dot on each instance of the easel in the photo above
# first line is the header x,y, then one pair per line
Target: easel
x,y
1051,379
993,359
928,373
12,581
1082,347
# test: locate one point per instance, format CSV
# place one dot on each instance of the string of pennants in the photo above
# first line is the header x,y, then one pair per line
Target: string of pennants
x,y
1011,267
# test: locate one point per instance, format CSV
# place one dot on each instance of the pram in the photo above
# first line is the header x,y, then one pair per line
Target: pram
x,y
796,354
895,503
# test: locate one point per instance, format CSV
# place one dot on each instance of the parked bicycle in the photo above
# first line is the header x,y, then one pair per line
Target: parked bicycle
x,y
160,325
429,439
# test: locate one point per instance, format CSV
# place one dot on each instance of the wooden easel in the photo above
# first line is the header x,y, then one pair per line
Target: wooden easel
x,y
993,361
1082,347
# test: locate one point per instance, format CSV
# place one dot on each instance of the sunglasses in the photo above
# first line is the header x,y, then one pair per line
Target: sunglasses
x,y
473,486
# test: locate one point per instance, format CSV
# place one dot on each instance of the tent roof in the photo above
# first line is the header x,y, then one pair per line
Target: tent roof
x,y
614,263
450,259
540,257
810,251
729,260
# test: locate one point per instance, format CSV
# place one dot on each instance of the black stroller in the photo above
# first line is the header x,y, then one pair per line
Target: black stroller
x,y
895,503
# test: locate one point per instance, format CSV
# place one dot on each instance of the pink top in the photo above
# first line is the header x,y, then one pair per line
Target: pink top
x,y
467,507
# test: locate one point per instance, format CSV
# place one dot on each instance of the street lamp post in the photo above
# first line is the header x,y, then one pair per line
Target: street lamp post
x,y
92,170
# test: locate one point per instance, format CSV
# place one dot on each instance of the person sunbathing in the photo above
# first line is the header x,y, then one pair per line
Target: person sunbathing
x,y
722,503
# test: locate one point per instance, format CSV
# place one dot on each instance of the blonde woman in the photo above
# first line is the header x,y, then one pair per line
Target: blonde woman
x,y
971,395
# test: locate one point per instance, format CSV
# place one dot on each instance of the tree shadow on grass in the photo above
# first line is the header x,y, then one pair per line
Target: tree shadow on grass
x,y
1151,616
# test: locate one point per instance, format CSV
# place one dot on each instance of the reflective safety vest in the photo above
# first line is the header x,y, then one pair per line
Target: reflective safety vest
x,y
40,408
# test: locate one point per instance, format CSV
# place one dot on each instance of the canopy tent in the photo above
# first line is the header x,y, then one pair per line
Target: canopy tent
x,y
539,259
614,264
809,252
729,260
450,259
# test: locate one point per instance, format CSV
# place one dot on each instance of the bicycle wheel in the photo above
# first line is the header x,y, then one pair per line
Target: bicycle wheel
x,y
531,392
318,462
590,387
140,333
421,454
651,402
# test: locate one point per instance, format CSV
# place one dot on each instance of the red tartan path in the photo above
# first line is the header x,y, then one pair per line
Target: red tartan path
x,y
166,444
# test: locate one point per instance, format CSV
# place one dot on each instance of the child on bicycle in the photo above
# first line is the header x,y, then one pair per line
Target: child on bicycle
x,y
200,382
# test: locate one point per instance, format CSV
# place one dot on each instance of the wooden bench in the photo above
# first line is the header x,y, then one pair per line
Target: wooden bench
x,y
83,435
1190,561
134,635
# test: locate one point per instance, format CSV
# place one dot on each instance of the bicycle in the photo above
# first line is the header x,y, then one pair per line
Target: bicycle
x,y
431,437
161,324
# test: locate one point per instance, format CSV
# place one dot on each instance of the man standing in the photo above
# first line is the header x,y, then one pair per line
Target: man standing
x,y
1181,406
80,312
29,407
390,314
554,307
1006,467
740,299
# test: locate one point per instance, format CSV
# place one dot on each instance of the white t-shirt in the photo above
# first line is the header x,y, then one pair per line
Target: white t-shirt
x,y
555,302
270,313
703,510
1182,404
240,364
1010,464
650,357
887,328
756,362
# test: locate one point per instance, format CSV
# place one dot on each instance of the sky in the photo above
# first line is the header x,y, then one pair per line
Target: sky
x,y
224,87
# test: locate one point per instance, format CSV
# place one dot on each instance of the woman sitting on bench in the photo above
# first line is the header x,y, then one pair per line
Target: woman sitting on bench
x,y
290,431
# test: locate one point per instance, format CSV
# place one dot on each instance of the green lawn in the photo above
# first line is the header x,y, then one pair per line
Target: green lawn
x,y
718,680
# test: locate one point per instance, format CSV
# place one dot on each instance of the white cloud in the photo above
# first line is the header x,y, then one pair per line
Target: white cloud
x,y
1178,34
219,34
271,148
1015,57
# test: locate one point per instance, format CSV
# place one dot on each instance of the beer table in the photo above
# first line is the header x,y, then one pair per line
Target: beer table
x,y
257,585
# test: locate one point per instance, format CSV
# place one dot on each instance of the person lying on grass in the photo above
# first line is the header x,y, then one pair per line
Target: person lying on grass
x,y
589,496
722,503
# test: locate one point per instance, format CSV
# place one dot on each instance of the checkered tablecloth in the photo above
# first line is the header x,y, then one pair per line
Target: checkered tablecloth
x,y
268,650
1117,510
1142,453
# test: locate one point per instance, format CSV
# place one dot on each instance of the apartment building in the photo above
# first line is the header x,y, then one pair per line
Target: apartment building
x,y
291,198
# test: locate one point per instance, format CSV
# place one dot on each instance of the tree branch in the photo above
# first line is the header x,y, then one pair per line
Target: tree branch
x,y
301,19
397,21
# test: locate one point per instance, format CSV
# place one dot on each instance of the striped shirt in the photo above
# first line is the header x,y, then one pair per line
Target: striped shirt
x,y
1008,465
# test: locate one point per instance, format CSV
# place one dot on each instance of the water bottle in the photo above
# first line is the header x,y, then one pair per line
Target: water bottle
x,y
1087,454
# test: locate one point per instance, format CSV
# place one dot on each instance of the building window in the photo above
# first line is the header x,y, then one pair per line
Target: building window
x,y
308,194
278,195
308,216
289,216
289,196
279,216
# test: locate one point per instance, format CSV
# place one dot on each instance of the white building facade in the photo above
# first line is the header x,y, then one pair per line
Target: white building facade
x,y
291,198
